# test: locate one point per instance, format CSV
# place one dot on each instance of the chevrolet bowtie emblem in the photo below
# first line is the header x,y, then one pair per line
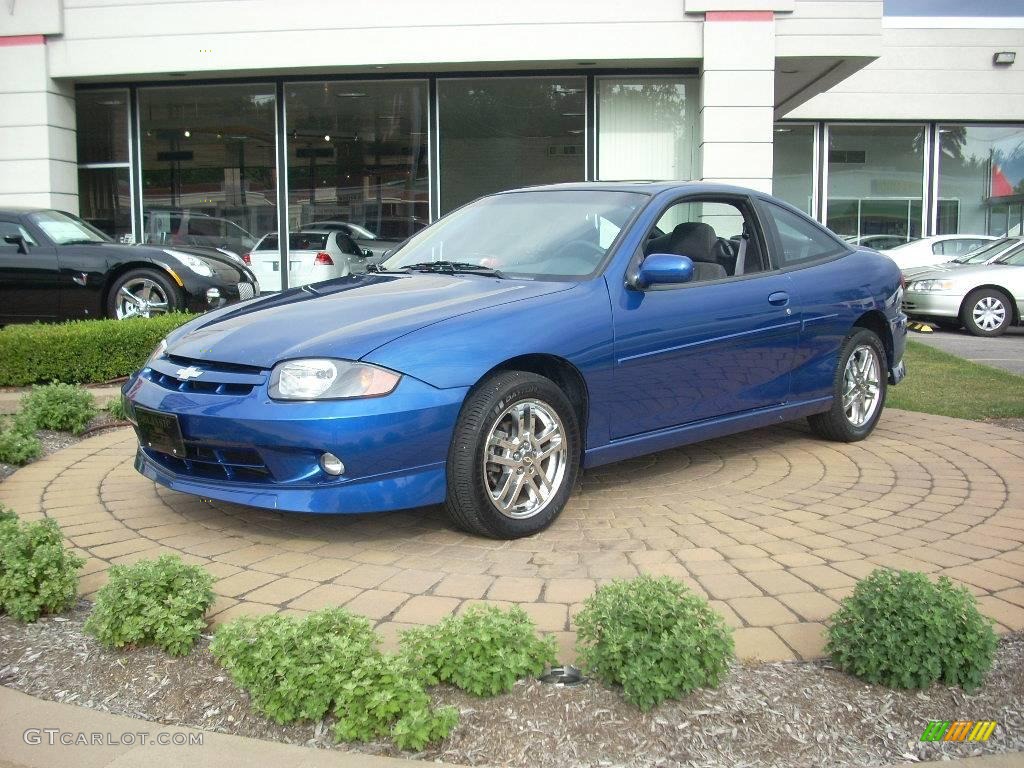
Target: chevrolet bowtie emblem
x,y
188,373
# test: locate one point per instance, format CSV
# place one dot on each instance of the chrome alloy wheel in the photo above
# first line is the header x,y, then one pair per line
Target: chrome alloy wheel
x,y
141,297
989,313
861,385
525,459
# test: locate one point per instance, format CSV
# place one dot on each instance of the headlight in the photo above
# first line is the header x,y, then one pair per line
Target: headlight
x,y
160,349
194,263
926,286
319,379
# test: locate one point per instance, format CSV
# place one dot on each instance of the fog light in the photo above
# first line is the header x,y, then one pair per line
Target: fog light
x,y
331,464
212,295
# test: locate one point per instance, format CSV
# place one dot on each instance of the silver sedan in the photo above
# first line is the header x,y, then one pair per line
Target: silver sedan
x,y
986,299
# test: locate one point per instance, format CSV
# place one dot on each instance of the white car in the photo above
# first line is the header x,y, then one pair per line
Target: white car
x,y
312,257
935,250
984,255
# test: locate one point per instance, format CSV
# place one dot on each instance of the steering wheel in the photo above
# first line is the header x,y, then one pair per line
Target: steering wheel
x,y
597,249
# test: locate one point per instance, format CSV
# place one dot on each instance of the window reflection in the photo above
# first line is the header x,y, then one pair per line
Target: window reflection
x,y
793,167
506,132
208,165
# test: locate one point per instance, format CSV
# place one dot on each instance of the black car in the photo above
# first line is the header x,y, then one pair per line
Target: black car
x,y
54,266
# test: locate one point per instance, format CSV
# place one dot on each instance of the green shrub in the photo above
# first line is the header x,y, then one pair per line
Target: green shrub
x,y
37,574
294,668
654,638
83,351
63,407
484,651
152,602
18,442
7,515
116,409
901,630
383,696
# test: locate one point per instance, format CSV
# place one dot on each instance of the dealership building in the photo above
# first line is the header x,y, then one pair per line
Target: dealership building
x,y
165,120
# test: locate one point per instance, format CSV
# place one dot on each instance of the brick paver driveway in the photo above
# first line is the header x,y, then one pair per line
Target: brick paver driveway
x,y
773,526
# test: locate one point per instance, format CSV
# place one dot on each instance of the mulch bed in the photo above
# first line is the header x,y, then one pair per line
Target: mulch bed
x,y
780,714
54,441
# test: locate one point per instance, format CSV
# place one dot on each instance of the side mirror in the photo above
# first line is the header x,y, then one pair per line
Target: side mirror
x,y
663,269
17,240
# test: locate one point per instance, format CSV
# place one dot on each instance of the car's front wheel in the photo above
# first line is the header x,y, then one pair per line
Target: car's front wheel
x,y
859,389
986,312
142,293
514,456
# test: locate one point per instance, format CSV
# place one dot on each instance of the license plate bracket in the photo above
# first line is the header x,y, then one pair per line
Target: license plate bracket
x,y
160,432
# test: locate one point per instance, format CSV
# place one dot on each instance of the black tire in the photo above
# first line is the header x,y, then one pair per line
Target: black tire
x,y
175,300
997,300
469,503
834,424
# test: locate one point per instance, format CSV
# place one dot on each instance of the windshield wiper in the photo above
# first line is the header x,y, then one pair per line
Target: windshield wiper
x,y
453,267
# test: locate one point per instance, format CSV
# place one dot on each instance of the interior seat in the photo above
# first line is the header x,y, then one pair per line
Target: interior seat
x,y
696,240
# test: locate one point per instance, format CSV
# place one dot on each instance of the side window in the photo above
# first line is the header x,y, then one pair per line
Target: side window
x,y
801,240
939,248
717,236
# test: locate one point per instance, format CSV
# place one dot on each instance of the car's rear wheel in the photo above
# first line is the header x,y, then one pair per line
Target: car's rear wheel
x,y
859,389
514,456
986,312
142,293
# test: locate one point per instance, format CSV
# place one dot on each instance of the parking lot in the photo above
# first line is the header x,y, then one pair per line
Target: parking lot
x,y
1006,352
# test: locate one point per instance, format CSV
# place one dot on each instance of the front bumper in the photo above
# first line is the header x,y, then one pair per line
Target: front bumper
x,y
932,304
243,447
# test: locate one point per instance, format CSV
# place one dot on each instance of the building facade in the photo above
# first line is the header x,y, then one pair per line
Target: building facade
x,y
225,120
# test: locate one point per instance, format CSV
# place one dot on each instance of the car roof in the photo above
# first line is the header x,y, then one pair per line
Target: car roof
x,y
643,187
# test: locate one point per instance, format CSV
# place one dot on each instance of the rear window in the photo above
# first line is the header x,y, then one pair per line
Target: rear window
x,y
297,241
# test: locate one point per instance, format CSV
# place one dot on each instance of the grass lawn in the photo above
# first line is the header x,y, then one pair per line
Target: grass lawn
x,y
945,384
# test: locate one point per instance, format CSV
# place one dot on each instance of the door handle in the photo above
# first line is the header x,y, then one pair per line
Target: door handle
x,y
779,299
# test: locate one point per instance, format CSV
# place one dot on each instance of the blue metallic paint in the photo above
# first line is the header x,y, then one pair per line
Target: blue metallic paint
x,y
661,368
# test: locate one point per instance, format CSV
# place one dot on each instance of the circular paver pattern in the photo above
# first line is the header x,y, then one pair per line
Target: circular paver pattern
x,y
773,526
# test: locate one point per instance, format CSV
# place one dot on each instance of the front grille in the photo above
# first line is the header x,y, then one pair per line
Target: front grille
x,y
909,305
184,375
217,463
246,291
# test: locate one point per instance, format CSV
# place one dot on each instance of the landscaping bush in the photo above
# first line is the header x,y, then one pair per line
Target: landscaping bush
x,y
901,630
6,515
83,351
484,651
152,602
18,442
63,407
654,638
294,668
37,574
383,696
116,409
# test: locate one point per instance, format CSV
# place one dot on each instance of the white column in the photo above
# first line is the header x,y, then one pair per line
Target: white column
x,y
38,156
738,98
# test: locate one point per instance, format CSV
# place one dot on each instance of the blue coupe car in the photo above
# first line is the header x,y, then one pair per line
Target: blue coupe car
x,y
517,340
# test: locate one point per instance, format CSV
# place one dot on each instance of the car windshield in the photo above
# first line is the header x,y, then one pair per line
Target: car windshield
x,y
65,229
982,255
535,234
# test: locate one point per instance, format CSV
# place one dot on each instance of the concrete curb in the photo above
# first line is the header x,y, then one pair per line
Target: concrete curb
x,y
23,712
218,750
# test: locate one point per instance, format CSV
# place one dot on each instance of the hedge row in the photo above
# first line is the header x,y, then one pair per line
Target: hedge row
x,y
80,352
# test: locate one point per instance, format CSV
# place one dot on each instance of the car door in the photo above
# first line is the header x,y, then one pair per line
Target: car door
x,y
29,276
830,289
720,344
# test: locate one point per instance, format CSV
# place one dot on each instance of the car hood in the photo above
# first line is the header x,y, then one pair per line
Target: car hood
x,y
966,273
916,272
345,318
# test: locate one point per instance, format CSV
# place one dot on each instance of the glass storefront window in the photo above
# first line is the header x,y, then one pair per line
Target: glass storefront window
x,y
793,174
875,180
208,165
981,179
646,128
358,159
104,175
505,132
